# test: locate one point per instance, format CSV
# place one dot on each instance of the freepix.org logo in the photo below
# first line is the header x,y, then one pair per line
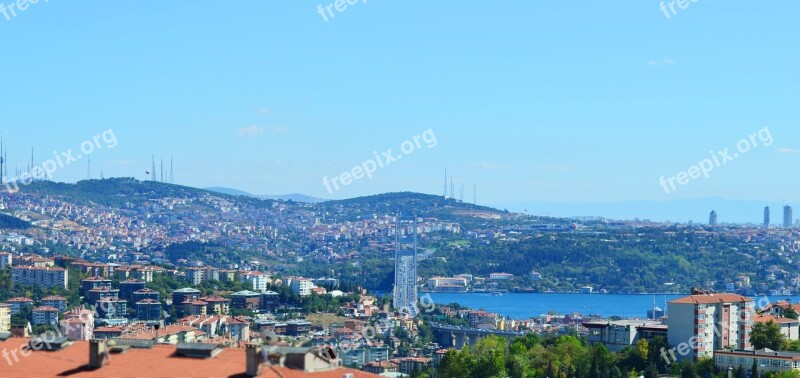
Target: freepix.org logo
x,y
369,167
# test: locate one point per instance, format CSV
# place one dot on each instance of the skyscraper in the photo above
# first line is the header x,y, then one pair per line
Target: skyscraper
x,y
766,217
712,218
787,216
405,268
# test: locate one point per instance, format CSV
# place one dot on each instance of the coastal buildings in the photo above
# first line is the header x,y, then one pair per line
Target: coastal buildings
x,y
501,276
447,284
713,321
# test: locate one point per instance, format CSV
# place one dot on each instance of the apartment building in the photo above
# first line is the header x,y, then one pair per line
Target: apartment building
x,y
302,287
196,276
18,304
258,280
59,303
38,276
711,322
5,260
45,315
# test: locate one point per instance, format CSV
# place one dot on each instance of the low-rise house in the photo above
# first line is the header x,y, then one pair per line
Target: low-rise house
x,y
617,335
767,360
790,328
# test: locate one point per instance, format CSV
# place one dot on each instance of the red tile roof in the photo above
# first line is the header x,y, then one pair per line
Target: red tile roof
x,y
712,299
45,309
160,361
770,318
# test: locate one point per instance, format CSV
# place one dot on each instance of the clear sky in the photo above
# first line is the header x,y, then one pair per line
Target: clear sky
x,y
530,100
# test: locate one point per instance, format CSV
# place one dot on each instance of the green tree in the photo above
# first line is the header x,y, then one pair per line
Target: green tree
x,y
767,335
490,353
688,371
457,364
754,369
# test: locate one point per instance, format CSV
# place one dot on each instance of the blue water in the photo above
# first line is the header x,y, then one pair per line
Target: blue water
x,y
525,306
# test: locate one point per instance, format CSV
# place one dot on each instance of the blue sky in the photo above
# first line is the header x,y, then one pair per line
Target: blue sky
x,y
529,100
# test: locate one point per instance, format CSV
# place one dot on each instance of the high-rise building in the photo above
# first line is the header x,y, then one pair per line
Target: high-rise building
x,y
712,218
715,321
787,216
766,217
405,269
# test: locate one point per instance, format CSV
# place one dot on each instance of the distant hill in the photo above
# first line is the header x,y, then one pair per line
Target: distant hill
x,y
230,191
296,197
407,204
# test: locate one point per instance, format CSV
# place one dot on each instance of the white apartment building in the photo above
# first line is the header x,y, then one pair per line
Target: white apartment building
x,y
259,280
302,287
44,277
710,322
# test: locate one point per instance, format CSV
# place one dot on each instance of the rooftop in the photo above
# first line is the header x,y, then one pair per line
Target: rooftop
x,y
712,299
157,361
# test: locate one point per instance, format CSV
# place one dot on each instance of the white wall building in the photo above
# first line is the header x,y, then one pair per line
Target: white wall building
x,y
710,322
302,287
259,280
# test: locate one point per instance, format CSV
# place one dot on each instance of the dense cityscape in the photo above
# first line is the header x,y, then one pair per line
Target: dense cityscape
x,y
182,266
